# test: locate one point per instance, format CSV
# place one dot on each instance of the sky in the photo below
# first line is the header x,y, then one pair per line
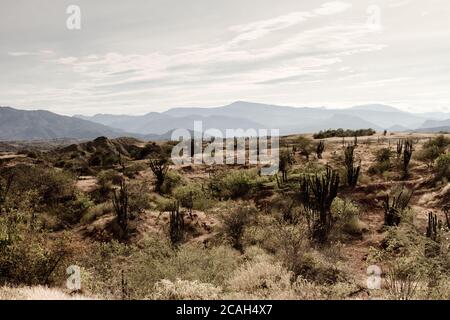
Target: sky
x,y
140,56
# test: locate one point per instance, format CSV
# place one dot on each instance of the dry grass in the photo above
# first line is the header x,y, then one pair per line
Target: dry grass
x,y
37,293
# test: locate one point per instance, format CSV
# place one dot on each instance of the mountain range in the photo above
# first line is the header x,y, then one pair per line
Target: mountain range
x,y
40,124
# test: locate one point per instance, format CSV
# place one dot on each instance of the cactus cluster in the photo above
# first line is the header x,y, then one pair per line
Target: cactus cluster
x,y
351,170
393,209
159,168
317,193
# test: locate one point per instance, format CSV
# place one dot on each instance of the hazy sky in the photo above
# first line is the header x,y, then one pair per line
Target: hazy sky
x,y
138,56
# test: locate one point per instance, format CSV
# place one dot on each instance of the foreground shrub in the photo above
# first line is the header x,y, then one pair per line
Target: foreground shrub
x,y
235,221
347,214
442,168
185,290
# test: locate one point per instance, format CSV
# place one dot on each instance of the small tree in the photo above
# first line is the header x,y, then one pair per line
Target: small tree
x,y
351,170
305,147
159,168
317,193
320,148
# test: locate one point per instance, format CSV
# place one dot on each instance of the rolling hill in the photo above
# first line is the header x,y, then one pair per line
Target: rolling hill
x,y
39,125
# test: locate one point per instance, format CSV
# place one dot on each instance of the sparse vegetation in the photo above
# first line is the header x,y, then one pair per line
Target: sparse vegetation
x,y
344,133
139,230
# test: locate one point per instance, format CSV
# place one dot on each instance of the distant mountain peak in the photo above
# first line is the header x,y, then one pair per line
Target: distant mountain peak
x,y
376,107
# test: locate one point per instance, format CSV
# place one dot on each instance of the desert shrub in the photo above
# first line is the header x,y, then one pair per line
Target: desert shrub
x,y
101,268
403,280
442,167
235,220
193,196
191,263
171,181
31,258
73,210
238,184
383,161
184,290
101,159
305,146
139,198
262,278
429,155
151,150
289,243
347,214
441,142
133,169
96,211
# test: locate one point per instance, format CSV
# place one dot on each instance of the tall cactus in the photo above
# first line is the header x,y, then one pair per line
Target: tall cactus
x,y
407,154
4,191
351,170
320,148
446,210
433,227
121,207
399,148
176,224
317,193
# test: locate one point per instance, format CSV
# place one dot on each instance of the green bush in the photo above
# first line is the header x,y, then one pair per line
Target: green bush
x,y
235,220
238,184
343,133
171,181
193,196
442,167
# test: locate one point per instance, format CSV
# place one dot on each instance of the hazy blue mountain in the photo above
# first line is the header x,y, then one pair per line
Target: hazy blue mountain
x,y
435,129
157,123
32,125
435,123
26,125
303,118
